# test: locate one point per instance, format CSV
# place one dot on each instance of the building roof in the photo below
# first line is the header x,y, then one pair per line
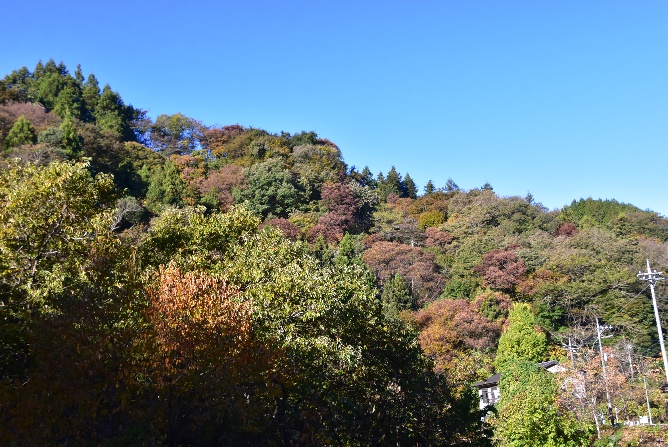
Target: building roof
x,y
494,380
548,364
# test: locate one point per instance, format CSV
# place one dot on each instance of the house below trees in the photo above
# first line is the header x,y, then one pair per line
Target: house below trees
x,y
488,390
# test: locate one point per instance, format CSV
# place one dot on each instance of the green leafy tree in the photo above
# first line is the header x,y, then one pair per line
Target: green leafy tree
x,y
350,250
521,340
90,95
622,218
270,189
451,186
12,91
52,216
392,223
368,202
316,165
321,250
431,218
396,296
344,371
366,178
600,212
529,414
69,100
39,70
112,115
303,137
22,132
390,185
590,269
80,351
176,134
52,137
78,76
49,87
48,215
165,186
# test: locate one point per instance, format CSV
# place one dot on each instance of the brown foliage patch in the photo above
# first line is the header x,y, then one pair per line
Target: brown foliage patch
x,y
221,181
567,229
35,113
289,229
203,354
448,326
437,238
501,269
415,265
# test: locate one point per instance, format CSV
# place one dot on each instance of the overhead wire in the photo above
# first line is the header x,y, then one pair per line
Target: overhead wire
x,y
629,302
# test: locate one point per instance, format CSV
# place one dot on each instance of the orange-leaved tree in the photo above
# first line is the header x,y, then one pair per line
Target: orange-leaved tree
x,y
205,367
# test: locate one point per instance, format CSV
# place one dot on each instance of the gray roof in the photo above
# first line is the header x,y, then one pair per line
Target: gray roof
x,y
548,364
494,380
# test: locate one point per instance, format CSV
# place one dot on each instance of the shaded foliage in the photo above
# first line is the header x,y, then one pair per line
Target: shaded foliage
x,y
413,264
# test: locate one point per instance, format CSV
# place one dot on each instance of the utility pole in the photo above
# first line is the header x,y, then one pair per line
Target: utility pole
x,y
629,348
649,409
600,329
570,351
653,277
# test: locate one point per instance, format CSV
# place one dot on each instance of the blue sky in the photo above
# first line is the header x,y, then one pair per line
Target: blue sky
x,y
563,99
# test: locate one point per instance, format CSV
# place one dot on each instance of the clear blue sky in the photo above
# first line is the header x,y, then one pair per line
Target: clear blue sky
x,y
564,99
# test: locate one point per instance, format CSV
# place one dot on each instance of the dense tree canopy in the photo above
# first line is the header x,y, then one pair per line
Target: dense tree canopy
x,y
165,281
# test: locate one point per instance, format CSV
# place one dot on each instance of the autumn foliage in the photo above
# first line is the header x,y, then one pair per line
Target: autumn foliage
x,y
502,269
143,301
451,326
414,264
204,363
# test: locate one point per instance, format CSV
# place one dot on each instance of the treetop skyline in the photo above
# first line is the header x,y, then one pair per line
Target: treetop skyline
x,y
555,100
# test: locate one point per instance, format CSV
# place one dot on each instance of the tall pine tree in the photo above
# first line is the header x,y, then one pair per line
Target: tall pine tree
x,y
409,188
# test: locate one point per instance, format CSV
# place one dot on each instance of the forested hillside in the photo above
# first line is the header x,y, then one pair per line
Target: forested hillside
x,y
169,282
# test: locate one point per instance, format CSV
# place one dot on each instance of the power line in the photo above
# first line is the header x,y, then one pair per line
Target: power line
x,y
627,304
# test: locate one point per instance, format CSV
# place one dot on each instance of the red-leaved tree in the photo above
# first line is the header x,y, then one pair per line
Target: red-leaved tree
x,y
501,269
